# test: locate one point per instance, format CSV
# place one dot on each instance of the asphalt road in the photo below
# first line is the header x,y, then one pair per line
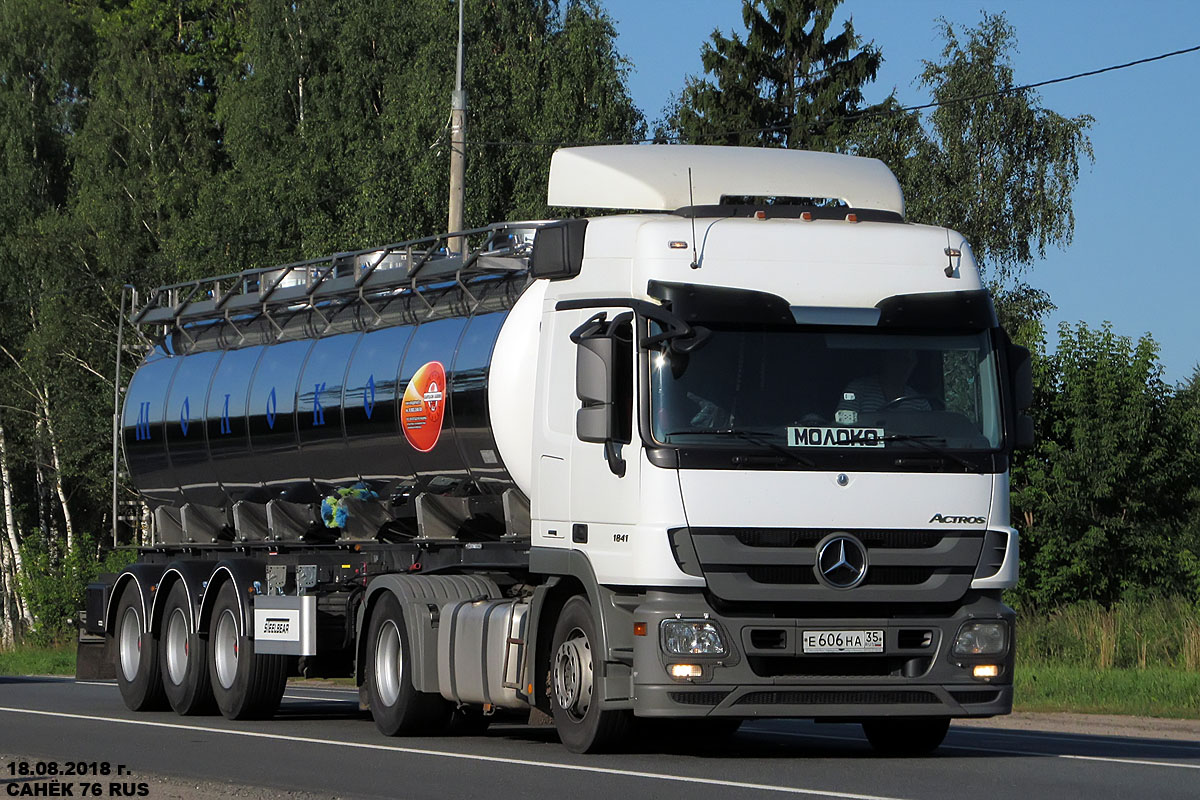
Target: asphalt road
x,y
320,744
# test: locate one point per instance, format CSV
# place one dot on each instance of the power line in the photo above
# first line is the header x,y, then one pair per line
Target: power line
x,y
856,115
1038,84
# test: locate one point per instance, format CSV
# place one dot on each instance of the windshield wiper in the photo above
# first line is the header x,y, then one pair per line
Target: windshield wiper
x,y
924,440
754,437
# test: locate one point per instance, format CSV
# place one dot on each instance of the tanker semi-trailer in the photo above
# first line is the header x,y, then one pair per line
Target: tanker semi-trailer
x,y
741,454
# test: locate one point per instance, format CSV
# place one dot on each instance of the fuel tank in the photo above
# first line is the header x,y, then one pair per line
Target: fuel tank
x,y
398,396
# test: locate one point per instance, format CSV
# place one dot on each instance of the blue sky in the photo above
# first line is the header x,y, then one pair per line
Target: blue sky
x,y
1133,260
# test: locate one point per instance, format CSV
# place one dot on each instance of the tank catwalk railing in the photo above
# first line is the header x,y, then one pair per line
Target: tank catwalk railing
x,y
256,295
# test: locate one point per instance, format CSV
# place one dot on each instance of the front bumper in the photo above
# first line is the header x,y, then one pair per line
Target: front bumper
x,y
765,672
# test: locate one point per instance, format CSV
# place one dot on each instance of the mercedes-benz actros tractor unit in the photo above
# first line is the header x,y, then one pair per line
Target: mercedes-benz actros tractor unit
x,y
741,453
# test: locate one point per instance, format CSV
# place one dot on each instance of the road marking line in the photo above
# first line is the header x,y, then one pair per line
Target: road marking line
x,y
96,683
627,773
995,750
1082,738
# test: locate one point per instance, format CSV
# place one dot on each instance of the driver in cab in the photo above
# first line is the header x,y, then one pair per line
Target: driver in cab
x,y
886,390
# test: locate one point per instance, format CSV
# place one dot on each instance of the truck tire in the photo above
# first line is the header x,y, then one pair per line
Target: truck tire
x,y
582,725
906,736
136,653
183,658
246,685
397,707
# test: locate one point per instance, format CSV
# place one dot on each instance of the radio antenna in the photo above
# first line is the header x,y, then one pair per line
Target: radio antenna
x,y
692,202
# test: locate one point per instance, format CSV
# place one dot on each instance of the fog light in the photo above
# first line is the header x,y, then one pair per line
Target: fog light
x,y
691,637
685,671
981,639
986,671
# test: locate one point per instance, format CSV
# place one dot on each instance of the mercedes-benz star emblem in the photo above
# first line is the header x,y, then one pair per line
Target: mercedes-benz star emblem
x,y
841,561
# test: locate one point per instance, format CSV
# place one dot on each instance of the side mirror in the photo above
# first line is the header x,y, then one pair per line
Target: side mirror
x,y
596,421
603,381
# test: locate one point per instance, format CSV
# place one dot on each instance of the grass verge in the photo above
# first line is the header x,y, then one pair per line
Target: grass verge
x,y
31,660
1150,692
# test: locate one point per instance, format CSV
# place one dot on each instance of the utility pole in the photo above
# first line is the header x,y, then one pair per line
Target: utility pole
x,y
458,144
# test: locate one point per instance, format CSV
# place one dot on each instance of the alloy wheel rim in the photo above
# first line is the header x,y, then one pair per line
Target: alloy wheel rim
x,y
573,675
389,668
131,644
225,649
177,646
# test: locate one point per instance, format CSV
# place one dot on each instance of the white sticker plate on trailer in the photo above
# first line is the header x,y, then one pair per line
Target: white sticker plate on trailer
x,y
842,641
276,624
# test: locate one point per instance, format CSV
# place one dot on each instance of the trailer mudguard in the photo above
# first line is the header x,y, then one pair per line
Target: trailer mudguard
x,y
421,597
146,578
194,576
244,573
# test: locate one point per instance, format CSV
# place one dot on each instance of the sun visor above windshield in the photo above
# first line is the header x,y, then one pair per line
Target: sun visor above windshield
x,y
717,304
971,310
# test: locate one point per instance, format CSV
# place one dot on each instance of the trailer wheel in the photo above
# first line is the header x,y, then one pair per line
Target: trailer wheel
x,y
582,725
911,736
397,707
183,658
246,685
136,651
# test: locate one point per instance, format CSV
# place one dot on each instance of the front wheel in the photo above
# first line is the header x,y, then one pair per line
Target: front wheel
x,y
911,736
136,649
582,725
396,705
246,685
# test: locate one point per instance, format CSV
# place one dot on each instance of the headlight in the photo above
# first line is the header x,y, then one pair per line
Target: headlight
x,y
981,639
691,637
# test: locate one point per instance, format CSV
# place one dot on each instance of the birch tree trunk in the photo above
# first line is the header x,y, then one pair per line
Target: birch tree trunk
x,y
10,526
7,601
57,464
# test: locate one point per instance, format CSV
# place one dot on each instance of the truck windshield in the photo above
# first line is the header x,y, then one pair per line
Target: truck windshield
x,y
814,391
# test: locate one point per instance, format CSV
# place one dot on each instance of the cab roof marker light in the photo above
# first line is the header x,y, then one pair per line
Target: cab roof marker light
x,y
676,244
806,216
852,218
951,253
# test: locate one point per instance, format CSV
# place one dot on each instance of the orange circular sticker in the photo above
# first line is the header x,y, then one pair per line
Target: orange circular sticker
x,y
423,406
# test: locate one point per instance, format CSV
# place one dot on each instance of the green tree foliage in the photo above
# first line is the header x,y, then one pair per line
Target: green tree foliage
x,y
1105,498
784,85
336,123
150,141
55,584
989,161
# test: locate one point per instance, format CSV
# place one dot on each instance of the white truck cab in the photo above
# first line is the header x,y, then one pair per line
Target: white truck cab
x,y
772,440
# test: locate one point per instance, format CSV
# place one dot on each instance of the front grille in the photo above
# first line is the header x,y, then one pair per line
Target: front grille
x,y
698,698
810,537
795,575
775,565
860,698
876,576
